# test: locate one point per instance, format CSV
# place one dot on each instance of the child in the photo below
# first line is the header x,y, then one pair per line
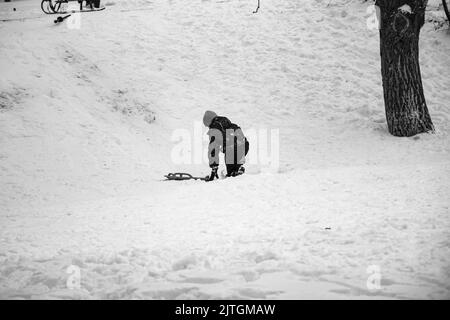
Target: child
x,y
227,137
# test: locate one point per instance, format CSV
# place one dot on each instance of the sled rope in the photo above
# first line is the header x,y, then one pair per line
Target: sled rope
x,y
182,176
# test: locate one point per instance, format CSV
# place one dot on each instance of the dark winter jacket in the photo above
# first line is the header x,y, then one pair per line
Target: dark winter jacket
x,y
222,134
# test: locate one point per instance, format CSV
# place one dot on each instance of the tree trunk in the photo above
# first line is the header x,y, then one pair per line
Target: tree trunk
x,y
405,105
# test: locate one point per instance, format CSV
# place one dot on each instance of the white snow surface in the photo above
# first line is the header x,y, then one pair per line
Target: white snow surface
x,y
82,158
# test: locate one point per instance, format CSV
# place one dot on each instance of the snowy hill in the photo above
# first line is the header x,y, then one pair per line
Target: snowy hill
x,y
87,118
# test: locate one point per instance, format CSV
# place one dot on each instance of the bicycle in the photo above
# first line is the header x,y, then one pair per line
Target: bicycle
x,y
60,6
446,5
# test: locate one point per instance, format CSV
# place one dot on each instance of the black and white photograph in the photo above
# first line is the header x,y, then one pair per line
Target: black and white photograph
x,y
214,150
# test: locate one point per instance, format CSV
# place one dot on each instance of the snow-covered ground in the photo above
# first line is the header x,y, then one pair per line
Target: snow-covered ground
x,y
86,121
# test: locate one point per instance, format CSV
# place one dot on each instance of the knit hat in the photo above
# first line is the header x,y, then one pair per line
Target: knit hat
x,y
208,117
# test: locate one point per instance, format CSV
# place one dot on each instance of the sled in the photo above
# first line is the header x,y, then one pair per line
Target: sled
x,y
61,6
182,176
179,176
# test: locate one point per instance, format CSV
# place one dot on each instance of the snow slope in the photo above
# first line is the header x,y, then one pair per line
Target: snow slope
x,y
86,120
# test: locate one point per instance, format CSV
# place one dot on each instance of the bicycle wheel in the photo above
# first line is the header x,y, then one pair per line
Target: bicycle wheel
x,y
54,6
446,4
46,6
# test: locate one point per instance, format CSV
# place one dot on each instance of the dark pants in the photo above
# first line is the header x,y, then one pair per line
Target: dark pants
x,y
235,157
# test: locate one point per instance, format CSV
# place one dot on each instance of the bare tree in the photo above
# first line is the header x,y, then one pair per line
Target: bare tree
x,y
405,105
